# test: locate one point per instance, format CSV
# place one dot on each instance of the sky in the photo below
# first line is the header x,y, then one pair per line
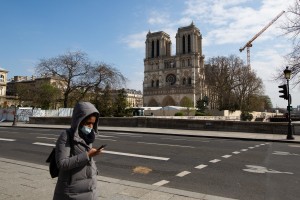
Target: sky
x,y
115,31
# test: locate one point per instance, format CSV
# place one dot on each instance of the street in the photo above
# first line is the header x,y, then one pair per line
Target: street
x,y
223,167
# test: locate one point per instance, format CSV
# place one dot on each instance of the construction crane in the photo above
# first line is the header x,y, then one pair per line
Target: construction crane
x,y
249,44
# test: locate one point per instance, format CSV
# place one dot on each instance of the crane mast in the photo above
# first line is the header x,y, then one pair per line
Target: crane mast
x,y
249,43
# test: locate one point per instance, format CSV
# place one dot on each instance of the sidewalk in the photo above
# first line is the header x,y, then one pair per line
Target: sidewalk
x,y
22,180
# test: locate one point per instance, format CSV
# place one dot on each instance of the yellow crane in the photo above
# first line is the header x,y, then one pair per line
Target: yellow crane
x,y
249,43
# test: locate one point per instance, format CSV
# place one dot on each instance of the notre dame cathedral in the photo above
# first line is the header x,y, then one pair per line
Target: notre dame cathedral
x,y
173,80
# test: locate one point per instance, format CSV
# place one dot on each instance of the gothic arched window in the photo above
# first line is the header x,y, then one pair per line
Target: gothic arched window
x,y
183,44
189,80
157,47
152,49
189,43
157,83
152,83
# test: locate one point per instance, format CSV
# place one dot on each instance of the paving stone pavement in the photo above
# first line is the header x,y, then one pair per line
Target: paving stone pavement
x,y
23,181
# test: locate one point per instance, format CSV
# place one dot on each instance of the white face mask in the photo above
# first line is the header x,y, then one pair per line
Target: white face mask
x,y
86,130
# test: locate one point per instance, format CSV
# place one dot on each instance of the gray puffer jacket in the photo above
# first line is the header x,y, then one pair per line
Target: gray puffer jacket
x,y
77,177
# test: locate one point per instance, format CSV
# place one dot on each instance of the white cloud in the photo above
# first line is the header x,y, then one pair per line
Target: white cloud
x,y
135,40
158,18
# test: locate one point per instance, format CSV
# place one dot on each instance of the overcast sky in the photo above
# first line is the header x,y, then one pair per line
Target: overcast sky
x,y
115,31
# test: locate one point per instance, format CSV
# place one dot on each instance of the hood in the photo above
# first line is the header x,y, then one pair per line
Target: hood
x,y
81,111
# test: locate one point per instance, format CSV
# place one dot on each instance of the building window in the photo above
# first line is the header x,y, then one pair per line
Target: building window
x,y
157,83
183,81
183,44
1,78
152,83
171,79
152,49
189,43
190,81
157,47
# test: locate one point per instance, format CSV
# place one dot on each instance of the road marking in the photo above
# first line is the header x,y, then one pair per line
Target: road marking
x,y
126,134
160,183
136,155
171,145
282,153
226,156
292,145
116,153
185,140
236,152
106,139
182,174
251,147
201,166
244,149
44,144
105,136
256,145
262,144
47,138
263,170
215,161
9,140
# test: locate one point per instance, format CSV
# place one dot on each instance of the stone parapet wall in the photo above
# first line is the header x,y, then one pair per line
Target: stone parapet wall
x,y
184,124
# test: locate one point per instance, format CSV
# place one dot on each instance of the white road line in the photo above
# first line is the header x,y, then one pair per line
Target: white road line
x,y
44,144
136,155
185,140
171,145
236,152
201,166
251,147
262,144
226,156
116,153
215,161
256,145
182,174
9,140
106,139
124,134
244,149
47,138
105,136
160,183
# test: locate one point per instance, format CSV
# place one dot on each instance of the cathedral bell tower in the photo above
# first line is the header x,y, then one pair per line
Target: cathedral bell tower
x,y
173,80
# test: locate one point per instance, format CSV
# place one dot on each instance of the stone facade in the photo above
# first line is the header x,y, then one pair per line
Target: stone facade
x,y
174,80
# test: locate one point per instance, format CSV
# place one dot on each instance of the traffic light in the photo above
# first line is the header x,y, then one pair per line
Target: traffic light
x,y
284,91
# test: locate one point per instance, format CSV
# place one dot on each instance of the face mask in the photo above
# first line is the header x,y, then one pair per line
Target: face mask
x,y
86,130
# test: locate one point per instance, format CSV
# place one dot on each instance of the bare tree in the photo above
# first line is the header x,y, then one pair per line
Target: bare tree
x,y
231,84
78,75
292,27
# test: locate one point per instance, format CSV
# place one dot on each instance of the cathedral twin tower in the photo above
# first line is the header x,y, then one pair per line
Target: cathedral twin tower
x,y
173,80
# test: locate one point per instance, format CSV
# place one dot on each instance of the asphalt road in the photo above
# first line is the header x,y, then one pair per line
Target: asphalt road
x,y
222,167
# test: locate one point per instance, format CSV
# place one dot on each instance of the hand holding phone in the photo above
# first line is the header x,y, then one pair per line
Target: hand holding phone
x,y
102,146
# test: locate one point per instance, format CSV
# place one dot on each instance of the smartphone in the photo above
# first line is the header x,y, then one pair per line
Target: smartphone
x,y
102,146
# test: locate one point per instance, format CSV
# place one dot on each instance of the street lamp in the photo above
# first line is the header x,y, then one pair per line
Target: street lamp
x,y
15,116
287,75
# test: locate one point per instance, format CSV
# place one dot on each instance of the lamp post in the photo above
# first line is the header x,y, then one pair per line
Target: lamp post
x,y
15,116
287,75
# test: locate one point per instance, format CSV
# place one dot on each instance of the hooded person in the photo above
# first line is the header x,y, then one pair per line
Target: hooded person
x,y
77,177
